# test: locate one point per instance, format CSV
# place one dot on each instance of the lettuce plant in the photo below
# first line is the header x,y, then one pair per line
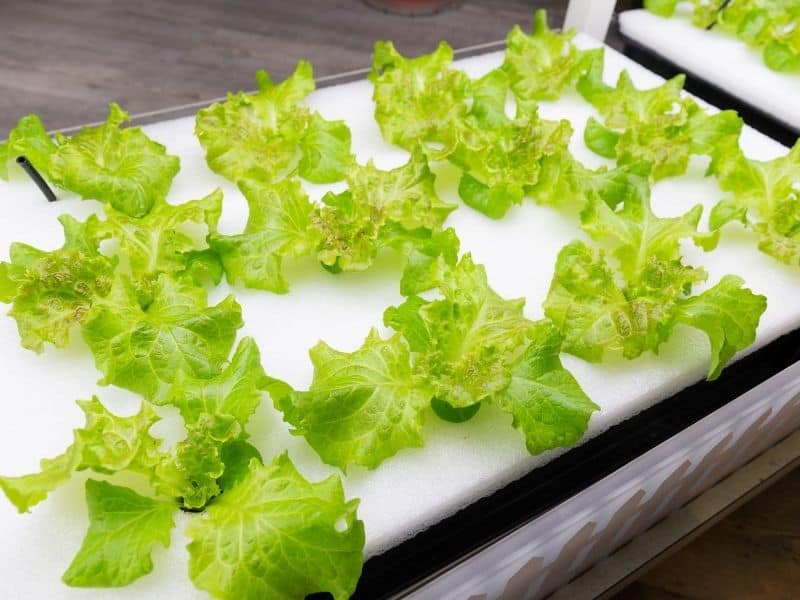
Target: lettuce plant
x,y
120,167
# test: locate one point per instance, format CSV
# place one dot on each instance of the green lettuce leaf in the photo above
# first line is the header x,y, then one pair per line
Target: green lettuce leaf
x,y
658,125
120,167
107,444
418,100
50,292
235,391
279,225
704,12
541,65
363,406
110,443
162,240
143,348
124,527
501,163
631,304
548,405
398,209
728,313
271,135
466,341
26,491
191,472
764,195
276,535
471,346
29,139
773,27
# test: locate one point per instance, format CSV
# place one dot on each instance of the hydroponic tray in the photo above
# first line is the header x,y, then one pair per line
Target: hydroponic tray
x,y
719,59
417,488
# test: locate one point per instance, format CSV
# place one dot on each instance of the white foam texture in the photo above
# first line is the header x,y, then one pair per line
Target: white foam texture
x,y
718,58
416,488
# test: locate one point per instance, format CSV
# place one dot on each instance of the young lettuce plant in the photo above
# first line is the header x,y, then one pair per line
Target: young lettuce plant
x,y
417,100
270,135
120,167
250,509
542,64
631,301
501,158
773,27
453,353
765,197
704,12
658,125
396,209
50,292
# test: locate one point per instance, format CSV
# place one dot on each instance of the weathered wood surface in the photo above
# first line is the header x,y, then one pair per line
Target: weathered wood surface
x,y
66,59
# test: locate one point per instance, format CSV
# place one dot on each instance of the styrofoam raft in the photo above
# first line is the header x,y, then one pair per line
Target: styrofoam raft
x,y
416,488
720,59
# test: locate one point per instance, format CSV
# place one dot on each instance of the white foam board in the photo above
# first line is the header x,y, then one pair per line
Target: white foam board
x,y
416,488
719,58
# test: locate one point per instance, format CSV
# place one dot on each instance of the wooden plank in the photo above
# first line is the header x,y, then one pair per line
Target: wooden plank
x,y
66,59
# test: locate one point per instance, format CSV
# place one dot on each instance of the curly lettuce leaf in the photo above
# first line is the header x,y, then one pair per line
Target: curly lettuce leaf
x,y
704,12
728,314
540,65
50,292
120,167
631,304
192,471
271,135
107,443
279,225
26,491
646,247
466,341
161,241
418,100
276,535
30,139
658,125
398,208
548,405
501,159
363,406
764,195
144,348
773,27
124,527
235,391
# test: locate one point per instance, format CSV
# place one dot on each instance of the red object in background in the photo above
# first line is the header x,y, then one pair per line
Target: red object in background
x,y
412,7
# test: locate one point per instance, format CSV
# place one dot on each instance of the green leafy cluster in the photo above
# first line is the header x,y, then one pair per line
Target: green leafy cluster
x,y
452,353
542,64
704,12
627,294
658,125
772,26
120,167
271,135
765,197
133,283
396,209
423,102
214,457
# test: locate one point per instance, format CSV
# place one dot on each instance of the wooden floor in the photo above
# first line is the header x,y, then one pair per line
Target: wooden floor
x,y
66,59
